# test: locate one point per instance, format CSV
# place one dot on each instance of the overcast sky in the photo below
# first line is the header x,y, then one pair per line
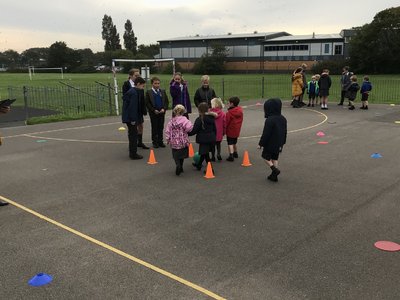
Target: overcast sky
x,y
40,23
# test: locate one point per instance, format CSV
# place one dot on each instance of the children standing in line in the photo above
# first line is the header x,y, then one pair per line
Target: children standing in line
x,y
205,130
324,84
312,91
274,135
217,106
365,89
177,137
234,120
352,91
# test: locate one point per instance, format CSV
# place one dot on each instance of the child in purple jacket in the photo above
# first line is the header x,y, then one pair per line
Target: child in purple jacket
x,y
176,135
179,93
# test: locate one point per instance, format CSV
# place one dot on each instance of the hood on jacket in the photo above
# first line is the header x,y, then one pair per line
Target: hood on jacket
x,y
272,107
235,111
179,121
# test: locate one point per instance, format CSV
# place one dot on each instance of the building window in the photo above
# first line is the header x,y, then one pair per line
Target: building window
x,y
287,48
326,49
338,50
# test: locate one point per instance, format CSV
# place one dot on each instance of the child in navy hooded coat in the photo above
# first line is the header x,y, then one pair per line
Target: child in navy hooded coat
x,y
274,135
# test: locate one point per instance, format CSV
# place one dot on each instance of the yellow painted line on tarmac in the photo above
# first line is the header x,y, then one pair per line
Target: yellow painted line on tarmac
x,y
117,251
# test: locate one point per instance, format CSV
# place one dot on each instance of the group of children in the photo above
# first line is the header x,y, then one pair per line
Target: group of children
x,y
212,124
319,85
209,127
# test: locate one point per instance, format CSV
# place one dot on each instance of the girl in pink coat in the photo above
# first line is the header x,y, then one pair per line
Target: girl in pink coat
x,y
217,106
177,137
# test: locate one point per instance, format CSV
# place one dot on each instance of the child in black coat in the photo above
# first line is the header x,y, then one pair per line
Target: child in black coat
x,y
352,91
206,131
274,135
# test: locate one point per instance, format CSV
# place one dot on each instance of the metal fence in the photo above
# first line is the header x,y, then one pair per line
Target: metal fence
x,y
99,98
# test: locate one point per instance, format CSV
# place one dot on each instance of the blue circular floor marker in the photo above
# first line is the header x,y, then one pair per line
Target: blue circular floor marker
x,y
40,279
41,141
376,155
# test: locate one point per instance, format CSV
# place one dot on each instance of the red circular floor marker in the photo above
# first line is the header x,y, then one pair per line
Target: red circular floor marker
x,y
387,246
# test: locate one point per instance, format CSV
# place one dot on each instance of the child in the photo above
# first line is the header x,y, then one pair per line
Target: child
x,y
234,120
297,87
312,91
157,104
352,91
324,84
274,135
317,96
365,89
179,92
176,135
217,106
205,131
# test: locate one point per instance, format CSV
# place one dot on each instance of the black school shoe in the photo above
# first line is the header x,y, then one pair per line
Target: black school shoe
x,y
274,175
198,167
135,156
178,170
2,203
143,146
235,155
219,157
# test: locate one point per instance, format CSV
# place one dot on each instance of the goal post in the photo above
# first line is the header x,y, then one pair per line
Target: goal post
x,y
134,61
31,71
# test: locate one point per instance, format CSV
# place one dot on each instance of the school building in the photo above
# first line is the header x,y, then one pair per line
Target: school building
x,y
259,52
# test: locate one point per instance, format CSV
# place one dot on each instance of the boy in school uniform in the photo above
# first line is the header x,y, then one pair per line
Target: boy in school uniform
x,y
157,104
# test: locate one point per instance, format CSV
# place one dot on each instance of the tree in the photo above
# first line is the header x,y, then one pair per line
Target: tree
x,y
35,57
110,35
374,48
213,63
149,51
10,58
130,41
62,56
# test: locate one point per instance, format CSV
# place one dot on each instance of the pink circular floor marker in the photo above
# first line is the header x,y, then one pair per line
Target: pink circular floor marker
x,y
387,246
322,143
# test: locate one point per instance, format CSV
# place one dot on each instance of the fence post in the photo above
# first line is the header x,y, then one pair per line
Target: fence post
x,y
223,88
262,88
25,91
110,98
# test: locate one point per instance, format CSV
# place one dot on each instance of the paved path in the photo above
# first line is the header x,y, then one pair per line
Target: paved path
x,y
106,227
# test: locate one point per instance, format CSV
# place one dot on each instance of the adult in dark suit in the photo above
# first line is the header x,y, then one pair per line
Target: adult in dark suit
x,y
132,115
157,104
132,75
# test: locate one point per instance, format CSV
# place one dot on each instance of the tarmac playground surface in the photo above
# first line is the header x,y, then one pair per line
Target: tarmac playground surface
x,y
107,227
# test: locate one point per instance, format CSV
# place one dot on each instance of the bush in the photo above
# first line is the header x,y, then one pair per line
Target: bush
x,y
334,66
168,68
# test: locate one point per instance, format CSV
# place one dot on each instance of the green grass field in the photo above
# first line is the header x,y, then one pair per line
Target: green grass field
x,y
386,88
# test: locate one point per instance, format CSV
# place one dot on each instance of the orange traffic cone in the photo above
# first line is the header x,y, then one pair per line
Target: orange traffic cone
x,y
191,151
246,160
209,172
152,158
